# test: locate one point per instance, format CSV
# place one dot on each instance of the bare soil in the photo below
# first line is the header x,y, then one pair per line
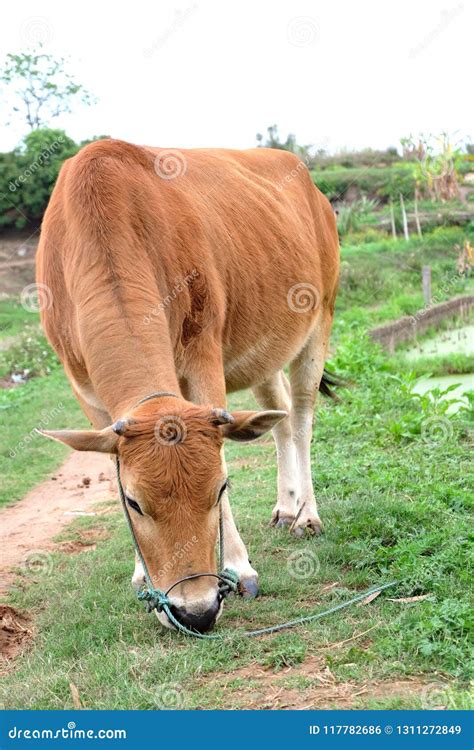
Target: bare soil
x,y
15,631
27,529
265,689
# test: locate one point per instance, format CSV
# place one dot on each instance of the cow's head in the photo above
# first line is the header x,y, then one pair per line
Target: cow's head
x,y
174,477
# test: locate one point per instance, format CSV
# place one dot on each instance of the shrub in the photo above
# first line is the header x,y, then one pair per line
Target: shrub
x,y
29,173
376,182
367,157
30,356
353,215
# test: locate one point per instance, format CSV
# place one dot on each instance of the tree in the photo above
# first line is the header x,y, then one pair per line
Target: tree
x,y
41,87
273,141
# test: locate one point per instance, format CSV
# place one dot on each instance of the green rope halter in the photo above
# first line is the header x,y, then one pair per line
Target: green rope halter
x,y
158,600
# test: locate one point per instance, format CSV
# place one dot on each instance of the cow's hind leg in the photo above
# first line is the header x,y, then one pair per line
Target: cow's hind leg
x,y
306,371
274,393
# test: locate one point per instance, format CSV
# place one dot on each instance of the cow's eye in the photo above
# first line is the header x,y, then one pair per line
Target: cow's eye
x,y
133,504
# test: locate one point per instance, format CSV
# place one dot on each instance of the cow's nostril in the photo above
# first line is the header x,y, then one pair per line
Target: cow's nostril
x,y
198,621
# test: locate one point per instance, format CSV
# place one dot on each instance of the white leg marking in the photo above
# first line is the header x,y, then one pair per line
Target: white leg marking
x,y
307,511
138,578
235,553
305,375
274,394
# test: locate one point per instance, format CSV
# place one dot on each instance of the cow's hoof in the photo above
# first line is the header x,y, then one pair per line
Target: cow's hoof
x,y
280,520
248,587
307,527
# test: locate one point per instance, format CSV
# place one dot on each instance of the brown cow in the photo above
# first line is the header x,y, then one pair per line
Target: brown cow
x,y
195,272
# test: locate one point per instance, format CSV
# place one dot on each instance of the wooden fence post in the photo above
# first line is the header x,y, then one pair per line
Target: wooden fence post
x,y
404,217
392,219
427,284
417,215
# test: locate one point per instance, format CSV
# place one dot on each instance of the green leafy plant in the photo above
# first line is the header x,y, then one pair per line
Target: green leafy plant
x,y
352,215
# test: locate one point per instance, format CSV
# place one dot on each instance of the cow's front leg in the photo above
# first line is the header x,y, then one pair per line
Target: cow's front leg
x,y
138,577
235,553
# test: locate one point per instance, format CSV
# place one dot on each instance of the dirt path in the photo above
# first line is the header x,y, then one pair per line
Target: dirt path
x,y
263,688
27,528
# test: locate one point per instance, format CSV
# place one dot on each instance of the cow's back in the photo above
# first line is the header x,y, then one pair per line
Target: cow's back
x,y
121,235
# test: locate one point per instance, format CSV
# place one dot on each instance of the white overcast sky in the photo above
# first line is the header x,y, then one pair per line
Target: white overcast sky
x,y
187,73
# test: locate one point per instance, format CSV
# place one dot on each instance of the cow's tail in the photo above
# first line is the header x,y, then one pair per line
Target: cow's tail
x,y
331,380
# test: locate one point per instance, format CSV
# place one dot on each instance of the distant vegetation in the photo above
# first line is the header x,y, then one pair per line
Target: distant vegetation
x,y
37,88
431,173
28,174
364,186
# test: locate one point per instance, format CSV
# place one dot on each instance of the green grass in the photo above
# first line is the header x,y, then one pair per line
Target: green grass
x,y
381,281
28,354
25,457
449,364
14,318
392,473
395,505
43,402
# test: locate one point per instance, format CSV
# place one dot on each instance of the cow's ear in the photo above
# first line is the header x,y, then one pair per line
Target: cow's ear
x,y
249,425
103,441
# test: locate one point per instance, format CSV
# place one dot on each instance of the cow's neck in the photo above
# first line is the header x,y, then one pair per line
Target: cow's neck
x,y
129,363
